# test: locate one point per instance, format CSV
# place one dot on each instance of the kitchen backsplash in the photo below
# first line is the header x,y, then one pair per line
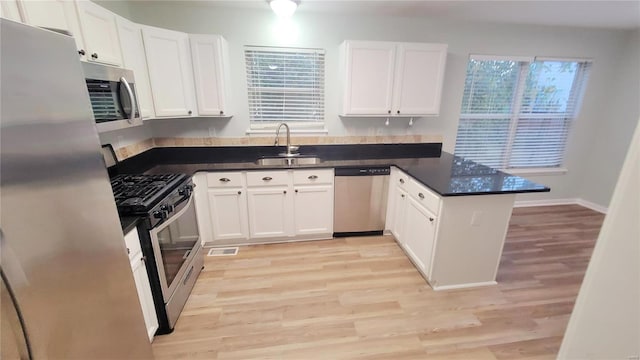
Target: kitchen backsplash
x,y
139,147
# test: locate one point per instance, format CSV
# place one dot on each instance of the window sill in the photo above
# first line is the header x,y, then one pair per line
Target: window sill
x,y
537,171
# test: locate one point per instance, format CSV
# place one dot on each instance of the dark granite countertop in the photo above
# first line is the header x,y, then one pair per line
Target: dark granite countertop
x,y
444,173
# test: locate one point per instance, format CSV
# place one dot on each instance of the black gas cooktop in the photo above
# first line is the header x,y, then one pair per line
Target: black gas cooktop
x,y
137,194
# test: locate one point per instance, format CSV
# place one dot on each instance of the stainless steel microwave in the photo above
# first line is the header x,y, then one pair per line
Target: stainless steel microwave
x,y
112,92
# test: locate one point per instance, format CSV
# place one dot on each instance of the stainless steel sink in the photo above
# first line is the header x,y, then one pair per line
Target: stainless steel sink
x,y
289,161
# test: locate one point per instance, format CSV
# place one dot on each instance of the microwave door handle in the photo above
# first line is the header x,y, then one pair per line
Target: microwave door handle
x,y
132,99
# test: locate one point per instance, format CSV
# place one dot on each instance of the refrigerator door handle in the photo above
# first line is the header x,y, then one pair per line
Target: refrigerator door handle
x,y
132,100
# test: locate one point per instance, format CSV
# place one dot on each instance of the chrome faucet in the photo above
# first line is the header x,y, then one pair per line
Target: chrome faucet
x,y
291,150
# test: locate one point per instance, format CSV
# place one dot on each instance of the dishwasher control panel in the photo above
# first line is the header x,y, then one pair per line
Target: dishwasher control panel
x,y
363,171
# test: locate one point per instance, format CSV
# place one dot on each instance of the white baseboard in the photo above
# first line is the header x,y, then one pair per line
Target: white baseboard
x,y
592,206
553,202
463,286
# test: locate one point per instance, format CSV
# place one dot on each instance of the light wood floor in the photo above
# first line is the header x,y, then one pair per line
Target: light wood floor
x,y
361,298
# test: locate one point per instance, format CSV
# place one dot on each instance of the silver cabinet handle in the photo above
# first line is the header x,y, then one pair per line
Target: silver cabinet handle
x,y
401,181
132,99
267,178
225,180
421,195
312,177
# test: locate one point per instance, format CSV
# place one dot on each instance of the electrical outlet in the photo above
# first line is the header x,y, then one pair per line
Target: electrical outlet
x,y
476,218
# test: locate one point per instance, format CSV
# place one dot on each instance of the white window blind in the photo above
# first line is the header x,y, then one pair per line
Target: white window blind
x,y
285,84
517,113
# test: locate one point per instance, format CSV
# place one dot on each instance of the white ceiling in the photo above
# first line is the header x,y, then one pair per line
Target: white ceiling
x,y
582,13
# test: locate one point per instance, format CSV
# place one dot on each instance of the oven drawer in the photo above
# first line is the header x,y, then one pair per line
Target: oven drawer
x,y
177,300
267,178
224,179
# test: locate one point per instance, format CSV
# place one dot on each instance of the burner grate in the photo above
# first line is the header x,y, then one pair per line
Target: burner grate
x,y
138,190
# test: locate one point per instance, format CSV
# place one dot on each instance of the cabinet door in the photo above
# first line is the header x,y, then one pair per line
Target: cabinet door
x,y
368,78
418,79
208,57
313,206
400,207
169,63
270,212
100,33
134,58
228,209
9,10
419,234
55,14
144,295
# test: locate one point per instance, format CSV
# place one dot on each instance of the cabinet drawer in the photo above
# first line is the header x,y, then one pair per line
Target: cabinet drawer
x,y
132,242
307,177
424,196
267,178
224,179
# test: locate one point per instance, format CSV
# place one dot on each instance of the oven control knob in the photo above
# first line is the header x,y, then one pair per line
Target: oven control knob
x,y
160,215
186,190
167,208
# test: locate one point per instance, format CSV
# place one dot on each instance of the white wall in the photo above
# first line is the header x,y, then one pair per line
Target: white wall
x,y
605,323
608,49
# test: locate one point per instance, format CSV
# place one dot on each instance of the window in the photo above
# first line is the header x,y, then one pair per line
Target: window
x,y
516,112
285,84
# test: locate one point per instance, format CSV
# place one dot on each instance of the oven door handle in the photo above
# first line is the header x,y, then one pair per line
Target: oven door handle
x,y
132,100
174,217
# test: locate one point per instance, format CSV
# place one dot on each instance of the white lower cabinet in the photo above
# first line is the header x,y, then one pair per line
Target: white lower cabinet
x,y
229,209
264,206
419,233
313,206
141,278
400,208
270,211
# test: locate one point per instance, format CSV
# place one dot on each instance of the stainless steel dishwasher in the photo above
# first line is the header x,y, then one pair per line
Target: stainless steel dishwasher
x,y
360,200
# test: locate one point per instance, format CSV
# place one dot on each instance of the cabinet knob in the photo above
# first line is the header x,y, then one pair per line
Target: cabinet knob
x,y
389,112
189,112
128,251
401,181
398,112
221,112
81,52
94,55
267,178
239,192
296,191
402,195
431,219
285,191
421,195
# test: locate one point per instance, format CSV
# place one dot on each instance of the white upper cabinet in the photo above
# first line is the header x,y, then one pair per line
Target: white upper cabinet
x,y
418,78
100,33
210,70
368,77
54,14
9,10
399,79
133,58
170,73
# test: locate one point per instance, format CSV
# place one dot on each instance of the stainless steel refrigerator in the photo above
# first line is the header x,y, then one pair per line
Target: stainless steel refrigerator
x,y
67,287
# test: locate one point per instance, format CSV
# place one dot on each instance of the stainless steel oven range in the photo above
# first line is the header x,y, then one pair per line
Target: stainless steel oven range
x,y
169,237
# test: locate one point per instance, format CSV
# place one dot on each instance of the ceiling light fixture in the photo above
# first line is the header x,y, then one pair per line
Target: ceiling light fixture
x,y
283,8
